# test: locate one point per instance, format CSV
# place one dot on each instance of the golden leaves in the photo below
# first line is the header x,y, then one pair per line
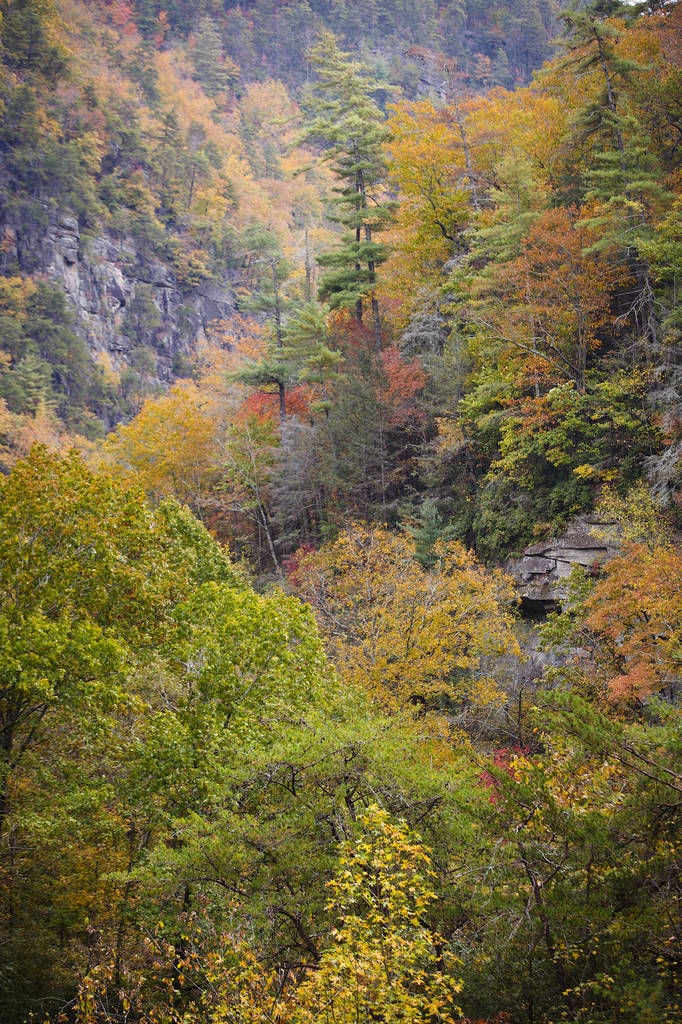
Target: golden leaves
x,y
406,633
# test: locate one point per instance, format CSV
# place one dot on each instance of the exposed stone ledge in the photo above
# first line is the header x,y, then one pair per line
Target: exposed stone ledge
x,y
542,571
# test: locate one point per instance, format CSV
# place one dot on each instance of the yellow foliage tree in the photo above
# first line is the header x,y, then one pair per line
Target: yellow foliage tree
x,y
636,613
384,963
173,446
406,633
427,166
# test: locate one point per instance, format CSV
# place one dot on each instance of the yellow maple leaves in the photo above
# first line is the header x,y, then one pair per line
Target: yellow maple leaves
x,y
383,958
408,634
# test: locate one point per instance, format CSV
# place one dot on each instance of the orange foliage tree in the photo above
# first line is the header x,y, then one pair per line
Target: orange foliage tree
x,y
636,613
551,302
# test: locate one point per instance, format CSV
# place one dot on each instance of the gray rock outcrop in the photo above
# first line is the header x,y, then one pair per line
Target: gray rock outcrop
x,y
101,276
542,571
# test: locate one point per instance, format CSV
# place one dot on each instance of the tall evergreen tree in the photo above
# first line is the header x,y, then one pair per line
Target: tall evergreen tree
x,y
211,68
623,179
266,272
349,127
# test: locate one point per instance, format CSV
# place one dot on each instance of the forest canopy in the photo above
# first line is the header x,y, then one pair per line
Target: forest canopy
x,y
323,328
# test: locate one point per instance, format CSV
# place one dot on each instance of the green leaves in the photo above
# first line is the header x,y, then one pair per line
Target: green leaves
x,y
27,36
576,888
129,647
246,653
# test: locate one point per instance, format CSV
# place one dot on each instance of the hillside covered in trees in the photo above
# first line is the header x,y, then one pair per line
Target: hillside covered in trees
x,y
313,317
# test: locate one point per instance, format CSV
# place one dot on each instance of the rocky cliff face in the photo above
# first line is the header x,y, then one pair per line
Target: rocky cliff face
x,y
543,569
102,276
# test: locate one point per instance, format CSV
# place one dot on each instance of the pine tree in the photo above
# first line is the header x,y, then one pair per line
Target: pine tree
x,y
592,46
266,272
349,127
623,179
211,68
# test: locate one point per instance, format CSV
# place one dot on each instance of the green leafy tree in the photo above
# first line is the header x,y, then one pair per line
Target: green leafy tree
x,y
86,569
263,853
250,454
580,917
90,577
